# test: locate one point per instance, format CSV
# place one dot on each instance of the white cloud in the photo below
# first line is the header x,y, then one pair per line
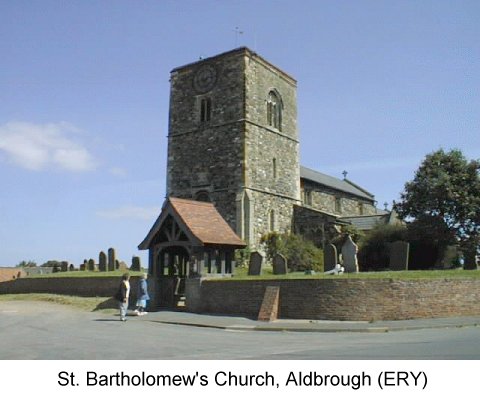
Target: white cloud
x,y
40,146
130,212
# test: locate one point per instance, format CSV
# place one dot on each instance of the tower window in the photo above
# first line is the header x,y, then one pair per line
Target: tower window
x,y
205,109
274,168
271,221
202,196
274,110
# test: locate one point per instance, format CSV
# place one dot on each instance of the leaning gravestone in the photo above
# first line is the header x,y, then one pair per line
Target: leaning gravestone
x,y
399,251
255,264
330,257
279,264
349,255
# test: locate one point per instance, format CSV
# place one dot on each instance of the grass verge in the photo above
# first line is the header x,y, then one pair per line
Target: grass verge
x,y
81,303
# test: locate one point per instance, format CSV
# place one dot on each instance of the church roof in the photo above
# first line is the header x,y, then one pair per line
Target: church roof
x,y
201,220
368,222
343,185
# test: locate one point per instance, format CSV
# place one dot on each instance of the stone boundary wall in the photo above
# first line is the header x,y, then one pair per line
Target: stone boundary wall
x,y
83,287
340,299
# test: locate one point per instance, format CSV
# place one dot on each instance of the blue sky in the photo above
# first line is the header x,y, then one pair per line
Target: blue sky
x,y
84,91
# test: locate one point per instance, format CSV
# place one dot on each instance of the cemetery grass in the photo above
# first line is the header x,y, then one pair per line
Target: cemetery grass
x,y
103,304
267,274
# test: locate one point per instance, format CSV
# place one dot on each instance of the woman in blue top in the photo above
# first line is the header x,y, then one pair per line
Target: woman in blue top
x,y
142,296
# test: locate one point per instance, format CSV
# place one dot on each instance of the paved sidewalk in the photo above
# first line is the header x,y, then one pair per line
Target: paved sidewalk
x,y
246,324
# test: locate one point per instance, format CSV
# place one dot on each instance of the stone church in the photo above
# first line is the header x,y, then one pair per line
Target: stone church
x,y
233,143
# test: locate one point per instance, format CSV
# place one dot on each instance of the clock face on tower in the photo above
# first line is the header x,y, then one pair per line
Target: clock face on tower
x,y
205,79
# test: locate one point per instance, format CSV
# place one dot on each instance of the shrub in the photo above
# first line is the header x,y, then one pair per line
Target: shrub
x,y
242,257
373,254
301,254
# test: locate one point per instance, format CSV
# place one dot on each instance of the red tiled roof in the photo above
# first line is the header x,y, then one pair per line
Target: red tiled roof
x,y
202,220
205,222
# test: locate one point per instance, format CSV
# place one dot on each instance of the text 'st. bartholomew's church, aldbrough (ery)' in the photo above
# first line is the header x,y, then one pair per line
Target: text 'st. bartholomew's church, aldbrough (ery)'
x,y
233,150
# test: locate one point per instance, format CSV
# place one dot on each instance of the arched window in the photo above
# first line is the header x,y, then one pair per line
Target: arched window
x,y
205,109
202,196
274,110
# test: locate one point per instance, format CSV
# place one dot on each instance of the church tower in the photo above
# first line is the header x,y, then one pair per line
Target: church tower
x,y
233,141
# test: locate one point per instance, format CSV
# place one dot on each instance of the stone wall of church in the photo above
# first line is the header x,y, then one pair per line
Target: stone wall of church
x,y
271,162
272,170
207,157
264,205
261,79
325,199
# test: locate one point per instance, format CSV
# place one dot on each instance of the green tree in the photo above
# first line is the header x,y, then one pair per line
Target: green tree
x,y
443,201
374,253
301,254
26,264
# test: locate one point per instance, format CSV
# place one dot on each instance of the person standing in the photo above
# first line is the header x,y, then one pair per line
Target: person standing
x,y
143,296
122,296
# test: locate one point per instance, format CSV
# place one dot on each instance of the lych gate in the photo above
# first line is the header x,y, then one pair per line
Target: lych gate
x,y
189,239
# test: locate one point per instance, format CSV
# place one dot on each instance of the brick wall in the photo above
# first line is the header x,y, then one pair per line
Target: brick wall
x,y
329,299
84,287
340,299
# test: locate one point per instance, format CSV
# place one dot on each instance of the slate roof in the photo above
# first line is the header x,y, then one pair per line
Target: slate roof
x,y
368,222
343,185
200,219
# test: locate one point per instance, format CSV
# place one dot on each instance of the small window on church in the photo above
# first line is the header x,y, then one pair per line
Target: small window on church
x,y
338,204
274,111
205,109
307,197
271,221
360,208
274,168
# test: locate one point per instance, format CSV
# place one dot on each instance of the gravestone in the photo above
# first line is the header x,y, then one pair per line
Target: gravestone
x,y
330,257
279,264
399,252
111,259
136,265
255,264
102,261
349,255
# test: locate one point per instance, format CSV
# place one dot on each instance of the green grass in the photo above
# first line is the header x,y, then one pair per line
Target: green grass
x,y
267,273
82,303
